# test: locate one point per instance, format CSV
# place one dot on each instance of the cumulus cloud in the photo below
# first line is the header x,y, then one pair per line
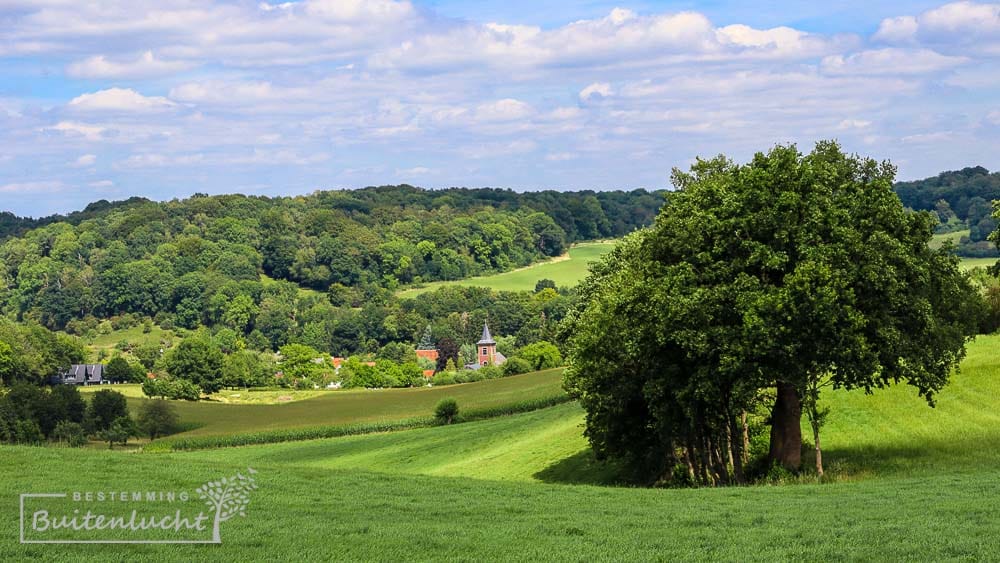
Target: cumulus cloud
x,y
596,90
964,27
120,100
145,66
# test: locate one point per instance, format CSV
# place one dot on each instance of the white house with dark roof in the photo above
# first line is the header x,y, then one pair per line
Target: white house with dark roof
x,y
82,374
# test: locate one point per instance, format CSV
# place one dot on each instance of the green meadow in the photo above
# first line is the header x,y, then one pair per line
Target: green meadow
x,y
567,270
908,482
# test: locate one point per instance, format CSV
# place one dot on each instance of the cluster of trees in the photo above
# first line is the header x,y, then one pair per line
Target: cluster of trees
x,y
758,286
32,414
199,261
202,364
31,353
959,200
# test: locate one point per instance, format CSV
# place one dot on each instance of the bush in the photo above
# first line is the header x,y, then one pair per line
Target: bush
x,y
184,389
70,433
516,366
462,378
446,378
474,376
119,432
26,431
489,372
446,410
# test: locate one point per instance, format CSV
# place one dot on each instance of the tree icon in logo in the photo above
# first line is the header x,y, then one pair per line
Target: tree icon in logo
x,y
229,496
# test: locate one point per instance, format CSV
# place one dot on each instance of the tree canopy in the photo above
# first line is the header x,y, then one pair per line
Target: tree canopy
x,y
772,277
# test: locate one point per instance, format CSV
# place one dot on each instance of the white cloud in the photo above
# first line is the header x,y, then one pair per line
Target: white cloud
x,y
597,89
85,160
560,156
507,109
890,61
900,29
145,66
75,129
415,171
957,27
120,100
101,184
848,124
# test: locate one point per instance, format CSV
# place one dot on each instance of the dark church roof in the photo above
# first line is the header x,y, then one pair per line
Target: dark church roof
x,y
486,339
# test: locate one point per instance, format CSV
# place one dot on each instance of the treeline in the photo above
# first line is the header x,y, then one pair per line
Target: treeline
x,y
960,200
306,325
199,261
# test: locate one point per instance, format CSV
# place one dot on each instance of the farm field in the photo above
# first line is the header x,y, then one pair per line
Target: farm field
x,y
970,263
567,270
919,484
354,406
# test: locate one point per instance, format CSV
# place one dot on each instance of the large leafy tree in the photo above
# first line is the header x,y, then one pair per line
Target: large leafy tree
x,y
197,360
786,273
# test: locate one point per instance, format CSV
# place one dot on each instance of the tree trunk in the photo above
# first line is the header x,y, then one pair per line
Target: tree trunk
x,y
819,451
746,437
786,428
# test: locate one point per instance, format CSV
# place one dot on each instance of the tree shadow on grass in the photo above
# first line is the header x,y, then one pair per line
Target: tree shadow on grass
x,y
582,468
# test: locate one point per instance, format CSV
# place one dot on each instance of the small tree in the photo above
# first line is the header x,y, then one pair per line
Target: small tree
x,y
157,418
516,366
446,410
543,284
118,370
106,406
119,432
198,360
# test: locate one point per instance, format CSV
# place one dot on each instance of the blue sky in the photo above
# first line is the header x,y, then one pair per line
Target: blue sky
x,y
164,99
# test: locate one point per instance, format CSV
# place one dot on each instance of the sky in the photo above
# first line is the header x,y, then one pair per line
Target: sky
x,y
110,99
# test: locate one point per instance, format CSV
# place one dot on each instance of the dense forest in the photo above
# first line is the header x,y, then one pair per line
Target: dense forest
x,y
317,269
961,200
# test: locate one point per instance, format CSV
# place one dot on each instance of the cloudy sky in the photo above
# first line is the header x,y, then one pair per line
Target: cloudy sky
x,y
108,99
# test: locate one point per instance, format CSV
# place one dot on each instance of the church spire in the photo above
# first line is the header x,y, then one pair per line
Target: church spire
x,y
487,338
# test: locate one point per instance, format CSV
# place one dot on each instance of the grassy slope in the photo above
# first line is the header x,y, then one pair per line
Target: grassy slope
x,y
460,492
565,272
351,406
937,241
970,263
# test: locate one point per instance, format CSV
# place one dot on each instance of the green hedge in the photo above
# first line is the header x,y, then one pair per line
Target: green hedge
x,y
317,432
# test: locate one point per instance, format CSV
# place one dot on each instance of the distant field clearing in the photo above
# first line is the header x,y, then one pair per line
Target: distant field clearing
x,y
566,270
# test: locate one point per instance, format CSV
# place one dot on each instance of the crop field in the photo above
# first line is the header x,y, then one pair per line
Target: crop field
x,y
915,484
353,406
567,270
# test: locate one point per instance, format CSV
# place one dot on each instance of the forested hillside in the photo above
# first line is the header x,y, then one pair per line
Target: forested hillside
x,y
961,200
199,261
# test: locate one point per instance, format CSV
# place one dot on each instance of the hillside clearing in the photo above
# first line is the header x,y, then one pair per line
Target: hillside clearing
x,y
568,270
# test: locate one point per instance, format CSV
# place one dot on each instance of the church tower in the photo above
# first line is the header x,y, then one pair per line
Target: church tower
x,y
487,348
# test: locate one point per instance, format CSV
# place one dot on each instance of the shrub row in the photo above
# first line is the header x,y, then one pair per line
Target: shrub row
x,y
317,432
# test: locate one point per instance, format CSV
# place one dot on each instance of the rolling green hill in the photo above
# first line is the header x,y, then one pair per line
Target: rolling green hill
x,y
917,484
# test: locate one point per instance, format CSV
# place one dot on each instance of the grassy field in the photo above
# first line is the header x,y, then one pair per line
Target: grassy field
x,y
937,241
911,483
567,270
970,263
920,484
354,406
227,396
